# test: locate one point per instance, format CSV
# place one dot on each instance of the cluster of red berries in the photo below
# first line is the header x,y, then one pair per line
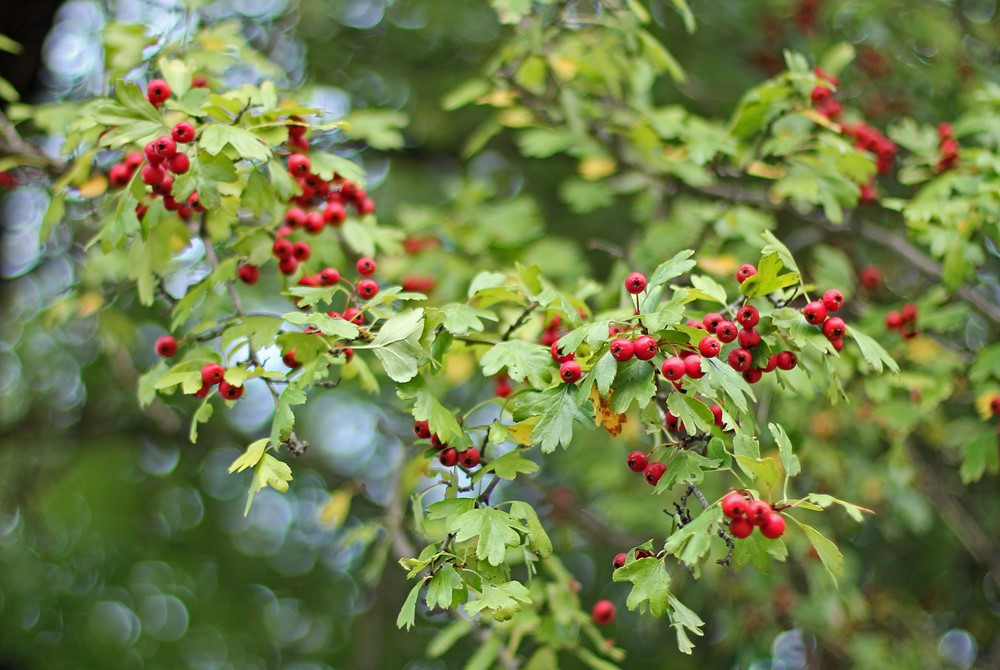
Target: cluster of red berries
x,y
211,373
833,327
569,370
871,139
947,147
904,320
651,471
823,96
447,456
745,514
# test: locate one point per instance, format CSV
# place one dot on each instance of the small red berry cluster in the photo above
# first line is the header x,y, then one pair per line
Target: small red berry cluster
x,y
212,374
569,370
745,514
871,139
447,456
904,320
947,148
823,97
833,327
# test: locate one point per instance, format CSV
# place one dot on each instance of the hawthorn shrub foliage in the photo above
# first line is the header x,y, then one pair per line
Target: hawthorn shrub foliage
x,y
256,184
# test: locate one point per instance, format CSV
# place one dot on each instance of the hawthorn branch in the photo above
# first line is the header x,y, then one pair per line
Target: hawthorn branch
x,y
520,321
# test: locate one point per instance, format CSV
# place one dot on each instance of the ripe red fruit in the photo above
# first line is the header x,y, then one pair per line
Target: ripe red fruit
x,y
726,331
166,346
309,280
838,344
365,267
753,375
470,457
248,274
157,91
635,283
288,266
354,315
691,323
815,312
773,526
503,389
334,213
636,461
741,528
772,363
314,223
194,202
133,160
164,188
437,443
212,373
909,312
301,251
151,154
740,360
448,457
557,354
834,328
745,272
717,413
734,505
421,429
709,347
182,132
203,391
283,248
693,368
748,316
165,146
786,360
299,164
893,320
295,218
179,163
366,206
289,359
329,276
199,81
870,277
619,560
712,321
653,472
995,405
645,347
152,174
230,391
749,338
570,372
119,175
833,300
622,349
672,423
603,612
673,368
757,511
367,288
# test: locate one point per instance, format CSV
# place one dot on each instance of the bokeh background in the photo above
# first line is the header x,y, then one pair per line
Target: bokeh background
x,y
124,546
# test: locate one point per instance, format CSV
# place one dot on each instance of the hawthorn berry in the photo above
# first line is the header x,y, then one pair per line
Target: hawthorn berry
x,y
619,560
635,283
203,391
734,505
157,91
134,159
753,375
749,338
283,248
437,442
838,343
815,312
772,363
786,360
152,155
329,276
570,372
301,251
182,132
295,218
757,511
166,346
288,266
603,612
152,174
673,423
995,405
299,164
179,163
503,389
637,461
309,281
470,457
354,315
314,223
893,320
673,368
712,321
870,277
119,175
334,213
726,331
448,457
194,202
212,373
367,288
741,528
289,359
622,349
653,472
365,266
744,272
909,312
691,323
740,360
421,429
230,391
773,526
164,188
692,367
717,413
748,316
557,354
834,328
833,300
645,347
248,273
709,347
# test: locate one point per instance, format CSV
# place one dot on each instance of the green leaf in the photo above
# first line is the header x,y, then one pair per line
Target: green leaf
x,y
558,409
216,136
284,419
329,326
675,267
824,501
202,415
633,382
441,589
686,466
721,375
460,319
691,543
659,57
504,599
538,539
378,128
873,352
768,278
789,461
494,528
981,454
694,414
544,142
603,373
269,471
709,287
439,418
408,613
684,619
763,470
828,552
251,457
650,585
397,345
510,465
774,246
759,551
521,359
464,94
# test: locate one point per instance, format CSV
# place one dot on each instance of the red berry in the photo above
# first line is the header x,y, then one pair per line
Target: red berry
x,y
834,328
622,349
366,206
166,346
995,405
570,372
558,356
151,154
503,389
334,213
194,202
815,312
757,511
179,163
301,251
199,81
329,276
448,457
203,391
165,146
119,175
773,526
753,375
283,248
619,560
164,188
230,391
470,457
134,159
645,347
295,218
709,347
748,316
908,313
212,373
741,528
365,267
870,277
693,368
288,266
673,423
635,283
838,344
653,472
367,288
157,91
691,323
740,360
182,132
893,320
314,223
734,505
786,360
749,338
289,359
299,164
152,174
833,300
636,461
354,315
603,612
437,443
421,429
248,274
712,321
744,272
309,280
673,368
717,413
726,331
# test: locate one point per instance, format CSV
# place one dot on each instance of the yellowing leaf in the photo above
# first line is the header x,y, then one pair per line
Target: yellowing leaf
x,y
761,169
498,98
521,431
604,416
334,512
563,67
94,186
517,117
595,167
